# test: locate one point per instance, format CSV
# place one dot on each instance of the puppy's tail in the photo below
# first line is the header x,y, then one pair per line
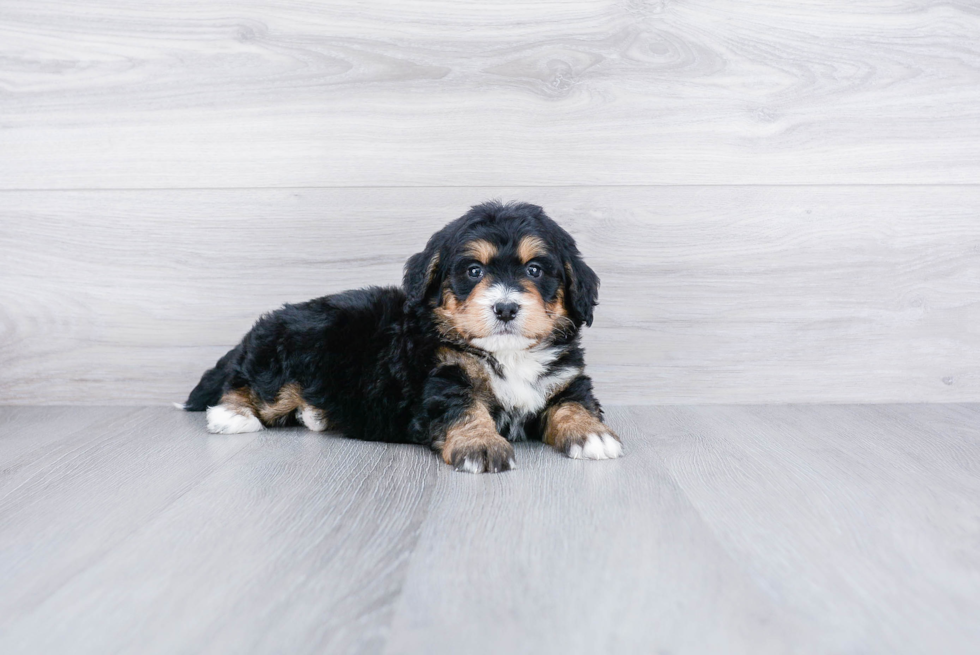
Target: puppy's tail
x,y
209,390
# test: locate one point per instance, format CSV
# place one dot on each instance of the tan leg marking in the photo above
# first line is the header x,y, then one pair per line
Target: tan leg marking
x,y
288,401
575,431
473,444
234,414
241,401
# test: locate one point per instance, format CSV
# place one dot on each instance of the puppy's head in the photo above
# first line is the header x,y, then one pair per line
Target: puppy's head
x,y
503,277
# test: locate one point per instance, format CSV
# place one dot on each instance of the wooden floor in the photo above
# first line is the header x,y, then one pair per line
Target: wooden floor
x,y
725,529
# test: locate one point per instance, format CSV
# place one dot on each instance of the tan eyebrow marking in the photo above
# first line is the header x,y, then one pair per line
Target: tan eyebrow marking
x,y
529,248
481,250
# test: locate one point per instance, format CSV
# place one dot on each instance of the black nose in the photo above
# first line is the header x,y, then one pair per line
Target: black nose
x,y
506,311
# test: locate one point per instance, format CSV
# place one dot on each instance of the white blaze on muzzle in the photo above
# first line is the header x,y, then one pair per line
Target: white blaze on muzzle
x,y
504,335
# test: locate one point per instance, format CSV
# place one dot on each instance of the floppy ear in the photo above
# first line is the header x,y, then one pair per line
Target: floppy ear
x,y
581,289
421,271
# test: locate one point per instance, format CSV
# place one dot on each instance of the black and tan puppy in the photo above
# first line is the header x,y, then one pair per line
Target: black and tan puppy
x,y
478,348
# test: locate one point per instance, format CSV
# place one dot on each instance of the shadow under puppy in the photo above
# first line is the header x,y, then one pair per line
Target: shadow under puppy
x,y
479,348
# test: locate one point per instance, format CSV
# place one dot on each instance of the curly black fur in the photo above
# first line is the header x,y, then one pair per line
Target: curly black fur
x,y
368,358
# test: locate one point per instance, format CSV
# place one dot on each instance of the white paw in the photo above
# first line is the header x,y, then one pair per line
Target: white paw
x,y
222,420
597,446
481,465
312,418
473,465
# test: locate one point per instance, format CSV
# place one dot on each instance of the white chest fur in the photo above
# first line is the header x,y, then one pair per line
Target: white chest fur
x,y
521,384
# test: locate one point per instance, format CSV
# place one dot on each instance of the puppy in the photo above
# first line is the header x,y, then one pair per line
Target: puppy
x,y
477,349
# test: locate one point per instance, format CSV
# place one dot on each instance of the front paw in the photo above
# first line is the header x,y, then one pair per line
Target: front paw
x,y
603,444
490,455
579,433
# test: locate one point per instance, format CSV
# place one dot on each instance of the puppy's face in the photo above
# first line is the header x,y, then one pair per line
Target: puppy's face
x,y
503,292
503,277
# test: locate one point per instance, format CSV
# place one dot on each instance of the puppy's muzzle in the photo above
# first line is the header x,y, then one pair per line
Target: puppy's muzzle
x,y
505,311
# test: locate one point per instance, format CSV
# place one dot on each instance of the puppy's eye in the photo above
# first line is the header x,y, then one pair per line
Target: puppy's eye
x,y
533,270
475,272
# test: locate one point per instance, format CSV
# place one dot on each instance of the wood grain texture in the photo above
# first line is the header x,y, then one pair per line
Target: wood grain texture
x,y
103,484
724,529
839,512
709,294
259,94
564,556
29,434
734,529
147,534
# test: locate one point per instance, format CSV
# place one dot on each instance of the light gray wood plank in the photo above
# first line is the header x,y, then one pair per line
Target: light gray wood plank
x,y
951,453
260,93
284,541
564,556
28,433
724,529
709,294
857,520
64,511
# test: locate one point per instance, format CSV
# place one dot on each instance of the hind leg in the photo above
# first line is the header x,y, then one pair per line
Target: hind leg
x,y
290,405
223,419
312,418
241,410
234,414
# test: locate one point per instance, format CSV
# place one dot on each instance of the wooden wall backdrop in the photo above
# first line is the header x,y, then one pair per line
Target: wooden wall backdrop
x,y
782,199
